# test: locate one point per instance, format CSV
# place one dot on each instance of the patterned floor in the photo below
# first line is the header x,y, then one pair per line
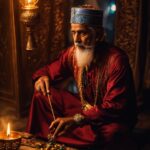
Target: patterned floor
x,y
141,132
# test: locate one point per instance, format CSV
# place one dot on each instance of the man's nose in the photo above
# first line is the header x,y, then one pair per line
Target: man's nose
x,y
77,38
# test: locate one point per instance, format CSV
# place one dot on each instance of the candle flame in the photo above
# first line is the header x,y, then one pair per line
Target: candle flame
x,y
8,129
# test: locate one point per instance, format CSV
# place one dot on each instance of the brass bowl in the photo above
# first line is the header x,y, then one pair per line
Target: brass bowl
x,y
10,143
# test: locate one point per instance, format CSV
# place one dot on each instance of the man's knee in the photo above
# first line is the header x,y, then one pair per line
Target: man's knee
x,y
115,136
37,97
113,132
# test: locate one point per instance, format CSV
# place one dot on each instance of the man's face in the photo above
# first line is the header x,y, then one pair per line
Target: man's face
x,y
83,36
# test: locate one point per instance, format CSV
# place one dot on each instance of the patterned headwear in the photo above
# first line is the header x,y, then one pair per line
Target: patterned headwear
x,y
87,16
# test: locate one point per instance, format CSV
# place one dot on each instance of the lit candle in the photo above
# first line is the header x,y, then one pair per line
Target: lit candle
x,y
9,139
8,130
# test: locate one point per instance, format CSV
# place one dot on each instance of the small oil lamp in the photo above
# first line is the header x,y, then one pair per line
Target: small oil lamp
x,y
9,140
29,17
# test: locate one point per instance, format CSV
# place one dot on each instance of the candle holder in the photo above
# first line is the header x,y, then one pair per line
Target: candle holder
x,y
11,142
29,17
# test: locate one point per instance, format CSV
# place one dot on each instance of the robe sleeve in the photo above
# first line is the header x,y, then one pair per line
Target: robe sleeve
x,y
118,103
117,86
57,70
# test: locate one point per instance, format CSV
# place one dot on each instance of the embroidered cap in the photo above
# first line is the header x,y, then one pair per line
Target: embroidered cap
x,y
91,17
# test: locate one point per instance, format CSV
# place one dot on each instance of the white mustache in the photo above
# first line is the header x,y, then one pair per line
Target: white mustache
x,y
83,45
79,44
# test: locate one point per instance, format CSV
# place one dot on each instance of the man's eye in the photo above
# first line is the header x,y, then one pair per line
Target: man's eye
x,y
83,33
72,32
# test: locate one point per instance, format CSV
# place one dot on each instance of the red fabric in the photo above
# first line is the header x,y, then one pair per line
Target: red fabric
x,y
93,113
65,104
116,100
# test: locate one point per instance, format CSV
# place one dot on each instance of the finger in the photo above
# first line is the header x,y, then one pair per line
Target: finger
x,y
47,85
42,86
64,130
59,127
37,86
52,130
54,123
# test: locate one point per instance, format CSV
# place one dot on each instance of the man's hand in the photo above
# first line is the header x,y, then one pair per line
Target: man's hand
x,y
42,84
61,125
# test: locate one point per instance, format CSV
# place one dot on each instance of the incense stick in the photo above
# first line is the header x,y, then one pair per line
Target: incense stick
x,y
50,103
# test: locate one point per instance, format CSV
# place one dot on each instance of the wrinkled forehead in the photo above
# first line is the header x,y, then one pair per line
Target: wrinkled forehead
x,y
85,28
76,26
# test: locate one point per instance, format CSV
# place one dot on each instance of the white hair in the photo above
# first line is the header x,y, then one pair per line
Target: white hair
x,y
83,56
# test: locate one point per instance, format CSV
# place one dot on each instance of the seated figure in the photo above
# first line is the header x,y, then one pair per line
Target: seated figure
x,y
103,112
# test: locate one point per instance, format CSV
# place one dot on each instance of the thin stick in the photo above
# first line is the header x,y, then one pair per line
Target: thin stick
x,y
50,103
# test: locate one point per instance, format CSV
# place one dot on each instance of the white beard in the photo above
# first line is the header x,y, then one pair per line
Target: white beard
x,y
83,56
84,53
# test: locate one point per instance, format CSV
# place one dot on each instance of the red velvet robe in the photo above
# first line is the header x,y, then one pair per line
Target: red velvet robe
x,y
116,97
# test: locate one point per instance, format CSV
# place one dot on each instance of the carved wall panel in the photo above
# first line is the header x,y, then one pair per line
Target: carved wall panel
x,y
7,32
127,27
5,82
8,60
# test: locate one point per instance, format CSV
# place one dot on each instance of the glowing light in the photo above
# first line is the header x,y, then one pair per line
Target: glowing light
x,y
8,129
113,7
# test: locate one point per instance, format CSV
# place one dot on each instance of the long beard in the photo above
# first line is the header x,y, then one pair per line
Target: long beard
x,y
83,56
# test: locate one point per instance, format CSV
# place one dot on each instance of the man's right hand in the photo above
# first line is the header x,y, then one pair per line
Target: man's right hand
x,y
42,84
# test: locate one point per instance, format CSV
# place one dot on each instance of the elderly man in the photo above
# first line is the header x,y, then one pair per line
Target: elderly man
x,y
104,110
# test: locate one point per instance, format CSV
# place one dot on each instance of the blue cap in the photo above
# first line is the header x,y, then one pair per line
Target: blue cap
x,y
91,17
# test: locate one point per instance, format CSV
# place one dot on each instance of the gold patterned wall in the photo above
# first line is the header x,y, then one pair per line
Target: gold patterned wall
x,y
127,28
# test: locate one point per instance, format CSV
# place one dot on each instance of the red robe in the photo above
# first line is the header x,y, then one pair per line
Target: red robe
x,y
116,98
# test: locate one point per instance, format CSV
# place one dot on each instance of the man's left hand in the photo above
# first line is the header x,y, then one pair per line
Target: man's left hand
x,y
61,125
